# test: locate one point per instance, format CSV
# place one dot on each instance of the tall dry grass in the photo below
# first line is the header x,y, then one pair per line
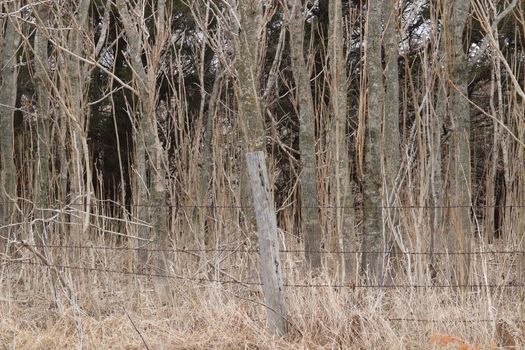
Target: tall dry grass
x,y
87,307
46,307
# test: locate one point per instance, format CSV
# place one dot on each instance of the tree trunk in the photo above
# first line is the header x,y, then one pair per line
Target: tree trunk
x,y
151,160
309,196
460,173
208,160
437,241
140,194
250,116
43,121
344,200
8,89
391,137
80,179
373,239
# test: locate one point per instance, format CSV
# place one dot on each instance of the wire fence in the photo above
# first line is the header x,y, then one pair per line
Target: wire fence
x,y
256,251
432,285
386,286
108,203
474,287
446,321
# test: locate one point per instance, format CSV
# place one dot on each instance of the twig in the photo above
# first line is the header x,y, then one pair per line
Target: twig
x,y
135,327
46,263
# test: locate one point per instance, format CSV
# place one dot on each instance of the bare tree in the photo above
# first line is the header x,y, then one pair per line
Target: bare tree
x,y
43,118
339,95
247,38
436,116
391,136
309,196
373,242
71,91
9,73
455,15
150,164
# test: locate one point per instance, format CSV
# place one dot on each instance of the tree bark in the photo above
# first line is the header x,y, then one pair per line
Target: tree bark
x,y
309,196
77,85
43,121
391,137
251,119
437,241
338,95
149,155
455,16
208,160
373,239
8,90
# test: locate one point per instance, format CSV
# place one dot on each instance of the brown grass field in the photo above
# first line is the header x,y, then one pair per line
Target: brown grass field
x,y
69,308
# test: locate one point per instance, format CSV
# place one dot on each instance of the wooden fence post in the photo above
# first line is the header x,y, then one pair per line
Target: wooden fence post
x,y
271,275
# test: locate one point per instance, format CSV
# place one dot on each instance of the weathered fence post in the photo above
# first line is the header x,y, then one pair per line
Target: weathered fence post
x,y
271,275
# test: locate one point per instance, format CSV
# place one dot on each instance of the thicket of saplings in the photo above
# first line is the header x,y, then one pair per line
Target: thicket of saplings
x,y
127,220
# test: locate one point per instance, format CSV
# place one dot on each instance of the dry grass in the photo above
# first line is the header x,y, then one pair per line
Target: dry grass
x,y
110,311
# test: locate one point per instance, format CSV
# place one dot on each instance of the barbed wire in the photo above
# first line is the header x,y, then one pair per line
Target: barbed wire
x,y
288,285
257,284
494,252
253,250
214,206
409,286
131,273
429,320
143,249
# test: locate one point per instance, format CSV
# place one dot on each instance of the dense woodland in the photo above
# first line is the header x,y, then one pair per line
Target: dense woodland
x,y
387,126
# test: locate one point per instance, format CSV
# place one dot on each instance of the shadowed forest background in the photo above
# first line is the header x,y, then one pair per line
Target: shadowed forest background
x,y
388,127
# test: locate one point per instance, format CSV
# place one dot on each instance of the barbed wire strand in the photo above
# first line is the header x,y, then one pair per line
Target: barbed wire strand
x,y
408,286
132,273
242,250
428,320
201,280
165,250
290,285
213,206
